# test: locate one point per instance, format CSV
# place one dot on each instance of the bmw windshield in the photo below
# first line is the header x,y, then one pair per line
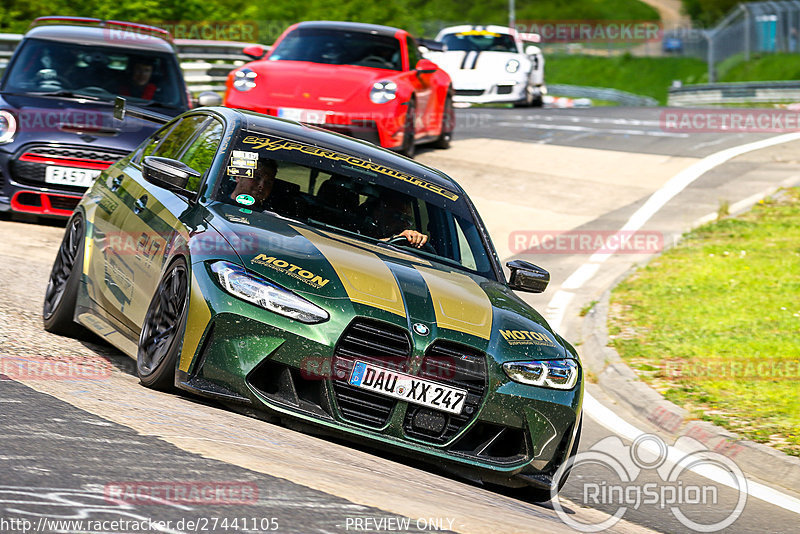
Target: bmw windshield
x,y
355,198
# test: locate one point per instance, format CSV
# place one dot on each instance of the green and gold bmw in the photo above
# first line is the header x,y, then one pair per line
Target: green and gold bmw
x,y
319,278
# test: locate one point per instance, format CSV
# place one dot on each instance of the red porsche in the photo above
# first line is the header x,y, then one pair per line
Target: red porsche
x,y
362,80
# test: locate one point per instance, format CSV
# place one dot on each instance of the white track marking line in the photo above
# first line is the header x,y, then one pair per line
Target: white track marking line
x,y
620,427
561,299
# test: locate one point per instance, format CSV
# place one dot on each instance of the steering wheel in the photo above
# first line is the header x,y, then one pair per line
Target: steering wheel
x,y
94,89
374,59
402,241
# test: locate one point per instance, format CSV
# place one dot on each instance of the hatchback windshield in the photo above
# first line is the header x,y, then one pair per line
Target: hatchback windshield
x,y
144,77
482,41
340,47
354,198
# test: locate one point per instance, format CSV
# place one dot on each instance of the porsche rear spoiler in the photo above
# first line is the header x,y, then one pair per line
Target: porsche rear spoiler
x,y
430,44
121,110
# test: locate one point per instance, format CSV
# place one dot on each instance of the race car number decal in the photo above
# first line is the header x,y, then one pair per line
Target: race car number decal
x,y
266,143
291,269
526,337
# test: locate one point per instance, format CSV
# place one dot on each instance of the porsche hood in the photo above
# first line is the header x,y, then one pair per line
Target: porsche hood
x,y
352,277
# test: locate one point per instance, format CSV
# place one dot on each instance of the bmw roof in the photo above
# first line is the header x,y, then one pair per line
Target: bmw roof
x,y
100,36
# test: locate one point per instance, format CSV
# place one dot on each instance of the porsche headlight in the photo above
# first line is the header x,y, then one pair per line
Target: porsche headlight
x,y
512,66
554,374
8,126
256,290
244,79
383,92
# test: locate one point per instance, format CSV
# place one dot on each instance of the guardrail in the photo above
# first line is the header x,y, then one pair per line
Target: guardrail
x,y
205,64
601,93
723,94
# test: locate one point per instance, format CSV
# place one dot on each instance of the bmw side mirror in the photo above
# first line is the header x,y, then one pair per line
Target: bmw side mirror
x,y
528,277
208,98
171,174
254,51
426,66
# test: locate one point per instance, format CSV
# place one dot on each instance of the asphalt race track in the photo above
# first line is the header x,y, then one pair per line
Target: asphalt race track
x,y
67,444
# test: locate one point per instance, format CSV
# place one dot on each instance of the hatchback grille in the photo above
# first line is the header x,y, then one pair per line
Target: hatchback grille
x,y
456,366
373,342
28,167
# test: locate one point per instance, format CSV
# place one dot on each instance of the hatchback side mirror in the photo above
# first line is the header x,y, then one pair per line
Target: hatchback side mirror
x,y
528,277
171,174
208,98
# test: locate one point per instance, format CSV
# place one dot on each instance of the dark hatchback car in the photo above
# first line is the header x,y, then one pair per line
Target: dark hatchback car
x,y
57,131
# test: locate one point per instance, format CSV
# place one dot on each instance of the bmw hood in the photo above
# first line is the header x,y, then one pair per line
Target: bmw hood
x,y
350,277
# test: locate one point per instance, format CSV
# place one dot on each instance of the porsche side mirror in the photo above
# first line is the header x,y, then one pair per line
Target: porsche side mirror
x,y
528,277
171,174
254,51
531,50
207,98
426,66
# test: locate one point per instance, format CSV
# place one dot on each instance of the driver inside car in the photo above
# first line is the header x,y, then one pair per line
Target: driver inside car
x,y
393,216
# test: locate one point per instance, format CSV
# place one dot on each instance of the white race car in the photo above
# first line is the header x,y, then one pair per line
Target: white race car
x,y
491,64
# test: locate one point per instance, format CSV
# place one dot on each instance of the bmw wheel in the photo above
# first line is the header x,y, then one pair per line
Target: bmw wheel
x,y
62,289
162,333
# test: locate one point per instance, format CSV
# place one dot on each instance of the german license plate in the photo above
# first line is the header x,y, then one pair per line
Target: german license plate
x,y
310,116
70,176
407,387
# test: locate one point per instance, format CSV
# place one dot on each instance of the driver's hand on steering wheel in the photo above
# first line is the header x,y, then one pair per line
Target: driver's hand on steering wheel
x,y
416,239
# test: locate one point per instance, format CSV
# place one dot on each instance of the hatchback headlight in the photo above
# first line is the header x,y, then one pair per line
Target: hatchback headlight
x,y
512,66
261,292
244,79
555,374
383,92
8,126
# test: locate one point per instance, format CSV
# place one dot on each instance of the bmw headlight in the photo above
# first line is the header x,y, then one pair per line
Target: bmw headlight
x,y
261,292
512,66
383,92
8,126
555,374
244,79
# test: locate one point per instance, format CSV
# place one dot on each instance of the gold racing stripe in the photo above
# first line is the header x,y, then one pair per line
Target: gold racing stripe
x,y
459,302
197,319
365,277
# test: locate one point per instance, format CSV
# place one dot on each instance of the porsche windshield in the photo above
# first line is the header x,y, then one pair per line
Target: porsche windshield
x,y
353,197
339,47
482,41
55,67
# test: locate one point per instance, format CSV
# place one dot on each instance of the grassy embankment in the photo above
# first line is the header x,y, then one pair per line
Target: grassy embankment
x,y
714,324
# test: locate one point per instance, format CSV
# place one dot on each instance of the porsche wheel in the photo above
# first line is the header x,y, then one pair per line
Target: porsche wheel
x,y
62,289
409,146
448,124
161,339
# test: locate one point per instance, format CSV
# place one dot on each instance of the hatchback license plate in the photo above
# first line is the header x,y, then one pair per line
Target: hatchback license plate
x,y
408,388
70,176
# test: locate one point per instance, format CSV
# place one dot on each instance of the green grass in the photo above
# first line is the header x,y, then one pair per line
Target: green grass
x,y
760,68
727,296
648,76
